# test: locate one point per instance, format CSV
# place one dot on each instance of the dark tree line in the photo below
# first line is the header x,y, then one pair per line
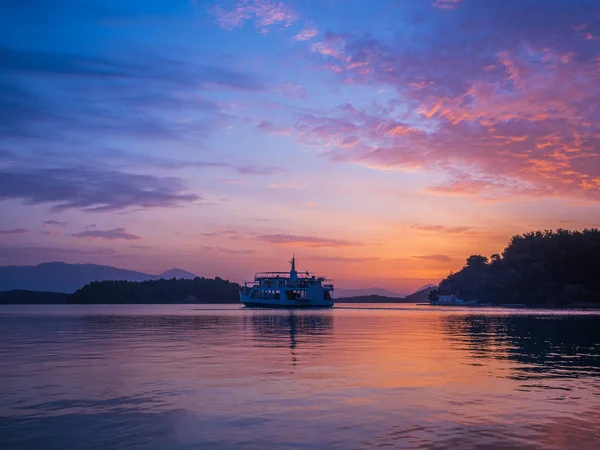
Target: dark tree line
x,y
538,268
198,290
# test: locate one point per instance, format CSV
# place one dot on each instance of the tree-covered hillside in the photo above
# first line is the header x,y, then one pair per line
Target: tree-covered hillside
x,y
537,268
198,290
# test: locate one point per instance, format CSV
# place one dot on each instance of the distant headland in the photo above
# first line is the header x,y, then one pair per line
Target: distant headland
x,y
541,268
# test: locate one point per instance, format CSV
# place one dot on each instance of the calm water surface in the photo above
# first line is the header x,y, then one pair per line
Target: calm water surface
x,y
357,376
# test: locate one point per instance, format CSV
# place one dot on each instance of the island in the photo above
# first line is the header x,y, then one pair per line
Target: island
x,y
541,268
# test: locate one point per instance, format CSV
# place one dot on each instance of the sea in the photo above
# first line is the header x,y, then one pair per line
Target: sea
x,y
357,376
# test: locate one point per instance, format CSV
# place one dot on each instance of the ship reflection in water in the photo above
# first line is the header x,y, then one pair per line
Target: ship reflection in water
x,y
301,328
228,377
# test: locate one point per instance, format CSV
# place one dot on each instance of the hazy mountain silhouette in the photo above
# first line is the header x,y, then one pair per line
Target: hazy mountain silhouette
x,y
177,273
420,296
339,293
67,278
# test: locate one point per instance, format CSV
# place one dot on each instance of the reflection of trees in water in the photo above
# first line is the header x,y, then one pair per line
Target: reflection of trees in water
x,y
557,346
293,328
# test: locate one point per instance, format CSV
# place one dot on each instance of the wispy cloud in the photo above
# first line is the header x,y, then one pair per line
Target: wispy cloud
x,y
346,259
289,185
253,169
92,189
55,222
35,255
443,228
229,250
446,4
307,33
305,241
265,13
109,235
16,231
435,258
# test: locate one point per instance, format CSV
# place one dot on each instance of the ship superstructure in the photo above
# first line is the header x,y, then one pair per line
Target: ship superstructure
x,y
287,290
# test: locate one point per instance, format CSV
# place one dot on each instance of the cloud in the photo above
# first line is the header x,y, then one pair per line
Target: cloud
x,y
230,234
265,13
292,91
443,228
289,185
230,251
55,222
345,259
514,113
446,4
143,97
91,189
109,235
182,73
252,169
232,181
16,231
304,241
140,247
435,258
35,255
276,130
307,33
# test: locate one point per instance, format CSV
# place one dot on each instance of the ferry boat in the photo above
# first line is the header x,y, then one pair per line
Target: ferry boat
x,y
287,290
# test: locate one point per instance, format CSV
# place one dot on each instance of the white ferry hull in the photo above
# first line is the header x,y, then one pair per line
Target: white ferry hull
x,y
270,303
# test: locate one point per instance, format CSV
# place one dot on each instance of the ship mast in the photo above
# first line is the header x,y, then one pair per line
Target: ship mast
x,y
293,273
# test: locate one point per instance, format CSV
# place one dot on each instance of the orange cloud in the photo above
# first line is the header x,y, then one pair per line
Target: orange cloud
x,y
304,241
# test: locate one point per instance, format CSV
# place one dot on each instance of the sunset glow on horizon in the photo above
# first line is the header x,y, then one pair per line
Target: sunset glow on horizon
x,y
381,144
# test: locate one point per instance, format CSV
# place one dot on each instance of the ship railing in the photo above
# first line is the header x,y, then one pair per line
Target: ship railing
x,y
282,275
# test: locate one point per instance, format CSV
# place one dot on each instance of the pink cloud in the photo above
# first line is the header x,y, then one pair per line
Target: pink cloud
x,y
290,185
304,241
523,123
265,13
443,228
109,235
307,33
446,4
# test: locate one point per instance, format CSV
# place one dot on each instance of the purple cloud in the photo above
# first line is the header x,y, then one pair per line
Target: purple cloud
x,y
16,231
92,189
109,235
55,222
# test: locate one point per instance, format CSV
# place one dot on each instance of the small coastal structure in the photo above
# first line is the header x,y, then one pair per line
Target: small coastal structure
x,y
451,299
287,290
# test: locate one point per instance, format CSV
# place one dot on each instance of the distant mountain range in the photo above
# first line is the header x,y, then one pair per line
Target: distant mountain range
x,y
420,296
67,278
342,293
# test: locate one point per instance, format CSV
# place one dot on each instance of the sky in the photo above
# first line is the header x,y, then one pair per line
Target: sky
x,y
381,142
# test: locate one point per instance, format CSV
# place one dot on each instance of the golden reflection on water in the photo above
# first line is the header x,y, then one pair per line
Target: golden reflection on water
x,y
211,377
